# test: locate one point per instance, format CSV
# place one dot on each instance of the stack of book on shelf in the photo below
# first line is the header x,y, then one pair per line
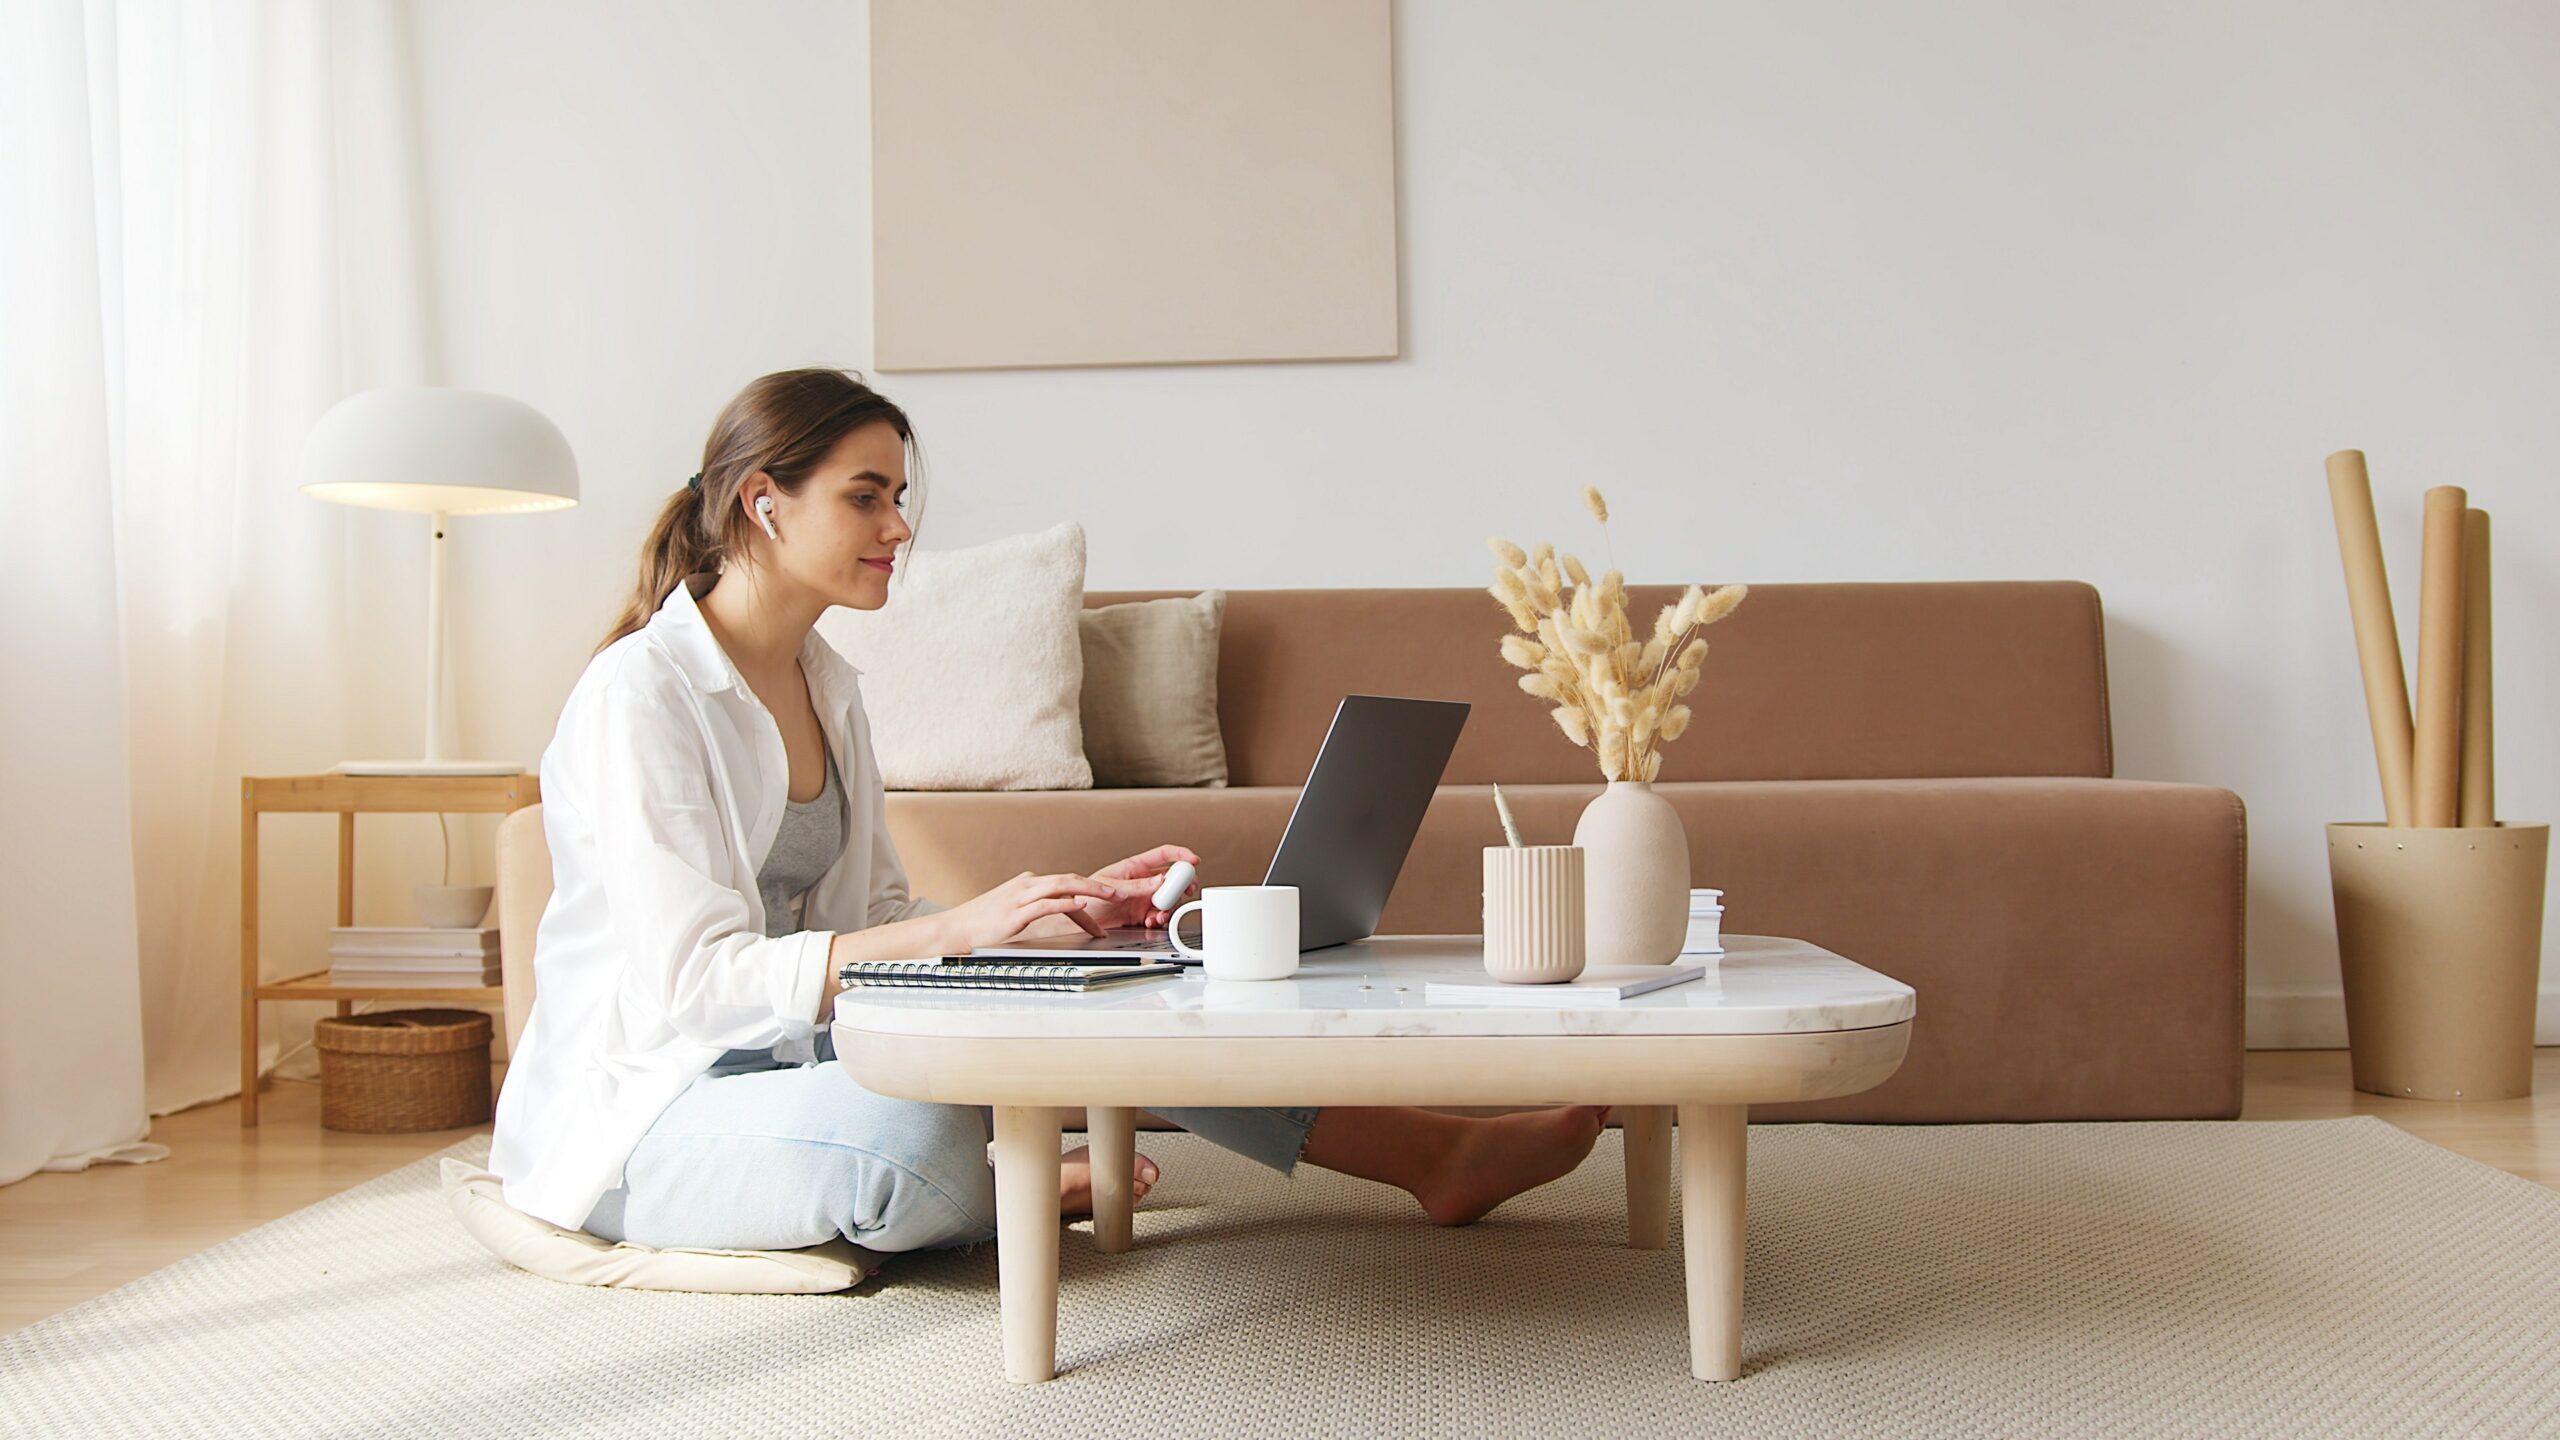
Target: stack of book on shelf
x,y
389,956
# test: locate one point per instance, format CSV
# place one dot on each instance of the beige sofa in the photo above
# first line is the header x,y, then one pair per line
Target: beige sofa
x,y
1915,775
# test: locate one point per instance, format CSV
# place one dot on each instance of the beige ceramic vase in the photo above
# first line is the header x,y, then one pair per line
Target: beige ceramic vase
x,y
1635,908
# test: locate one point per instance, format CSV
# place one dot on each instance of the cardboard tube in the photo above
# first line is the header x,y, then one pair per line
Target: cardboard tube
x,y
2386,687
2439,731
2479,773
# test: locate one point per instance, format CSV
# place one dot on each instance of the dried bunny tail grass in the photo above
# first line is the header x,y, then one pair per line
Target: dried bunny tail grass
x,y
1575,725
1648,716
1541,553
1542,591
1694,654
1592,497
1506,588
1573,568
1542,686
1717,606
1547,571
1522,651
1649,659
1683,681
1674,721
1613,753
1664,626
1685,613
1505,551
1653,765
1622,709
1580,641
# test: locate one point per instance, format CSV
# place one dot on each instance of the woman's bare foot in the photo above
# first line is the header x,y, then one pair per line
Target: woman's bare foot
x,y
1490,1160
1075,1180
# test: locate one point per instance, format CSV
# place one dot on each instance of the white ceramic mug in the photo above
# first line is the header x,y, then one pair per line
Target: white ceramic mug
x,y
1247,932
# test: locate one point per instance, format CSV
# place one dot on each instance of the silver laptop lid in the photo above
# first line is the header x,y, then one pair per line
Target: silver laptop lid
x,y
1362,806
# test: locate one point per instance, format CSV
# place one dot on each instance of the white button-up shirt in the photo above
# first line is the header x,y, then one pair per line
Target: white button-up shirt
x,y
662,791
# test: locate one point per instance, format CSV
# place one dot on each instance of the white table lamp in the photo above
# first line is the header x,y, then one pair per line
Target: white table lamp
x,y
438,452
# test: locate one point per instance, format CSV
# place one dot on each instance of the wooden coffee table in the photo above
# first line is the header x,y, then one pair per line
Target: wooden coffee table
x,y
1774,1020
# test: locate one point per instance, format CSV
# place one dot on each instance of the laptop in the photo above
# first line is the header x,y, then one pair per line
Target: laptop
x,y
1347,837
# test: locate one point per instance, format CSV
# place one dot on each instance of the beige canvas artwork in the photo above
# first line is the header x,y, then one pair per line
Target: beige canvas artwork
x,y
1113,182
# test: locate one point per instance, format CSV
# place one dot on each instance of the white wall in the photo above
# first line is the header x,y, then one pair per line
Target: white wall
x,y
1820,291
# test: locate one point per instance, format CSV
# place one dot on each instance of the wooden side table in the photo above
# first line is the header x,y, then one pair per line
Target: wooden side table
x,y
348,796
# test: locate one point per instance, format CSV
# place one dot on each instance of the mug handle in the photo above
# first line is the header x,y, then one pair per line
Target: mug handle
x,y
1173,931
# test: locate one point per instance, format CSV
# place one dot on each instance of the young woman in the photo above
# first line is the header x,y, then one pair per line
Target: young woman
x,y
718,847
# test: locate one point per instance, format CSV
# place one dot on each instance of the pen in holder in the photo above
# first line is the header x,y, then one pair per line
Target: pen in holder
x,y
1533,913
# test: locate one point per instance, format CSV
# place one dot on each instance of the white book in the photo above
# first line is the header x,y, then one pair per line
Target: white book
x,y
412,940
1597,985
382,980
365,960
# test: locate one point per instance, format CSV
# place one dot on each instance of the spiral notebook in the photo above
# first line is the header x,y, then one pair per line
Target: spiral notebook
x,y
962,974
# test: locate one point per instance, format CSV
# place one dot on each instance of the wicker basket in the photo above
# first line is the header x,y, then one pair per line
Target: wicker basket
x,y
401,1070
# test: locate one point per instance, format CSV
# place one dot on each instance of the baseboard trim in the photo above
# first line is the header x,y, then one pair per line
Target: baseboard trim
x,y
2317,1020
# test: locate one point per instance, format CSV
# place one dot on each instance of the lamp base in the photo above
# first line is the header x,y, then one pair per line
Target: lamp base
x,y
429,767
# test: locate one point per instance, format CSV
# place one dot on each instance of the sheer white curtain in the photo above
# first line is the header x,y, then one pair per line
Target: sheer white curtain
x,y
208,237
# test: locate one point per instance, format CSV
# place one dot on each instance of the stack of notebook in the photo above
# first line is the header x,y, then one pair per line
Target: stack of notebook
x,y
962,972
386,956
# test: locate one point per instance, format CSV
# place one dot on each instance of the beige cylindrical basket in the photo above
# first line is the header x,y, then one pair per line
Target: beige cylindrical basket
x,y
2440,952
398,1070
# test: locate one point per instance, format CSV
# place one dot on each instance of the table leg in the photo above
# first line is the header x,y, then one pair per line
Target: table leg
x,y
346,885
1112,1131
1027,1239
248,960
1648,1136
1714,1147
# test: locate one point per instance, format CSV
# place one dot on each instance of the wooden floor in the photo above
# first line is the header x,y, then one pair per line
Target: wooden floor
x,y
64,1238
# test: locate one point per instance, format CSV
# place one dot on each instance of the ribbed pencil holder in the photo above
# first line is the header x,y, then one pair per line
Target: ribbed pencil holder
x,y
2440,954
1533,913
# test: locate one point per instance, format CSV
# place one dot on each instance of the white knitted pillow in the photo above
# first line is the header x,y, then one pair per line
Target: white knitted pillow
x,y
972,672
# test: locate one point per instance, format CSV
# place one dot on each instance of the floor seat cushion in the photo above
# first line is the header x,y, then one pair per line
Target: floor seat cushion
x,y
577,1258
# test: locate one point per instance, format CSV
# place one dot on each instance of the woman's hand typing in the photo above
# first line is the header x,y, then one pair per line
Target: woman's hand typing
x,y
1005,912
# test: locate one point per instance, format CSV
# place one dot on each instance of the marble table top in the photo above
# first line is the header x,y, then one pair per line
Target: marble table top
x,y
1761,985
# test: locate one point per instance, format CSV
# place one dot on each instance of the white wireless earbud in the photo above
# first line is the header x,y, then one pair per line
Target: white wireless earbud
x,y
764,512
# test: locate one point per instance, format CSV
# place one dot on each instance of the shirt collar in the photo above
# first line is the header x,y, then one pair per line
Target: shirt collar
x,y
697,651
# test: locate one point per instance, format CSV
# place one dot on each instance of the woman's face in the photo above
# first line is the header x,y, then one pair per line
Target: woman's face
x,y
839,533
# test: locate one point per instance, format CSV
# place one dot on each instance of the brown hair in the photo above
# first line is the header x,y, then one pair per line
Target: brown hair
x,y
782,424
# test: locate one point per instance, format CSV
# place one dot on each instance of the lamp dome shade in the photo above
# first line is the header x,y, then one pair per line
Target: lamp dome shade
x,y
463,452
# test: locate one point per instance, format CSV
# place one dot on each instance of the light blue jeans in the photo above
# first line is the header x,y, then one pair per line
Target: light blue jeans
x,y
761,1155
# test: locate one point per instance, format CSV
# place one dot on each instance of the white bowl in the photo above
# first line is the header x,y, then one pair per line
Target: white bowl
x,y
454,907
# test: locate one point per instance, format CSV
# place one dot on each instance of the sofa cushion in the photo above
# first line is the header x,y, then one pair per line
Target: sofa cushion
x,y
971,673
2077,944
575,1257
1151,692
1804,682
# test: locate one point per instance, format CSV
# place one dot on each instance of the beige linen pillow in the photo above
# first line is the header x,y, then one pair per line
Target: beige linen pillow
x,y
575,1257
971,672
1151,692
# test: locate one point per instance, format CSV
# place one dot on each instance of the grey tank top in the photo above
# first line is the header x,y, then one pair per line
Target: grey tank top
x,y
811,837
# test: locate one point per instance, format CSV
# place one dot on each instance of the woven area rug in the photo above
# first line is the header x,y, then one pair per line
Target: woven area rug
x,y
2152,1278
